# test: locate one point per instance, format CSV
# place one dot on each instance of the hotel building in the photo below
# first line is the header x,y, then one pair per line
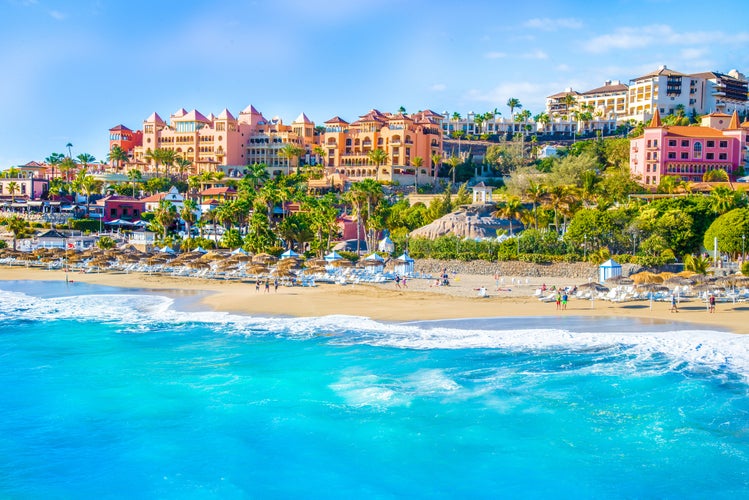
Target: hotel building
x,y
402,137
664,89
689,152
217,143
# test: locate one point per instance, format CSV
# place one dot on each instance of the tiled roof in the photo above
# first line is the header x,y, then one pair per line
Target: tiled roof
x,y
607,88
337,119
656,120
662,71
120,128
682,131
217,190
225,115
302,118
563,94
154,118
154,198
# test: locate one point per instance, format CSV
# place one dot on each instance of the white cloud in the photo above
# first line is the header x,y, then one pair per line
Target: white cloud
x,y
438,87
535,54
549,24
627,38
693,53
56,14
495,55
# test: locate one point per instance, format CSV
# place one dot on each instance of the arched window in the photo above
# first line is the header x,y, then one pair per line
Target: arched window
x,y
697,155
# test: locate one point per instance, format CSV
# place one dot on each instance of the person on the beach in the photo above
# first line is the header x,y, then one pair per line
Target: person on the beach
x,y
397,281
711,303
275,285
403,282
496,281
267,286
559,301
257,286
564,301
674,305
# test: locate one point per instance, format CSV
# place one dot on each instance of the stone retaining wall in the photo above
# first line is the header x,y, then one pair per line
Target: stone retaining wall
x,y
578,270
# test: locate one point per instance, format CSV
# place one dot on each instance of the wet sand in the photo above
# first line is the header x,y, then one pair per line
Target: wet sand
x,y
419,301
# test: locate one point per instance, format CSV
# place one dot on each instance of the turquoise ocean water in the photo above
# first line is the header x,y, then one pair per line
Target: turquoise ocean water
x,y
117,393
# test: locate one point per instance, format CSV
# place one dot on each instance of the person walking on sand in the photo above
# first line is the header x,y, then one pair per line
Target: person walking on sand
x,y
711,303
275,285
559,301
267,286
564,301
403,282
257,286
397,281
674,305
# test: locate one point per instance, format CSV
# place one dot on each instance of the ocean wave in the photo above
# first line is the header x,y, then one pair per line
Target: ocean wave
x,y
142,313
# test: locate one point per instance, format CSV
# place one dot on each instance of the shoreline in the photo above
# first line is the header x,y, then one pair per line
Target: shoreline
x,y
384,302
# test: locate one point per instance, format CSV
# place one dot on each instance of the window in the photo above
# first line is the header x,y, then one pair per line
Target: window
x,y
684,155
684,143
672,142
697,150
113,212
722,156
709,156
672,155
724,144
710,144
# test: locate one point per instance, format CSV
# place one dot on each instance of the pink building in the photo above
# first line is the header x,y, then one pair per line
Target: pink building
x,y
121,207
689,152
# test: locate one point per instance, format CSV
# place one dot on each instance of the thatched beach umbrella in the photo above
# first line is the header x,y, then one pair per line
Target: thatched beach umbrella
x,y
257,269
646,277
619,280
264,258
594,287
198,264
652,287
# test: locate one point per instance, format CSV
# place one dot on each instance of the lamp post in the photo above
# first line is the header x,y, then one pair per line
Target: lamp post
x,y
585,246
743,242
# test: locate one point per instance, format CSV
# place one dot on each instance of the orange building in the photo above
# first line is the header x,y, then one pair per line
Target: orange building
x,y
225,142
408,141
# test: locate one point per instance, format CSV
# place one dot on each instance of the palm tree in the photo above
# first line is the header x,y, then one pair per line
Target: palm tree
x,y
258,173
436,159
511,209
378,157
182,164
290,152
543,118
164,215
569,102
66,166
87,184
154,156
723,200
135,176
535,193
513,103
84,159
18,227
417,162
321,154
453,161
12,188
117,155
54,161
70,147
168,157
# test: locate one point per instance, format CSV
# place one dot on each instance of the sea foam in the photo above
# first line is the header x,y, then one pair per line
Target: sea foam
x,y
691,349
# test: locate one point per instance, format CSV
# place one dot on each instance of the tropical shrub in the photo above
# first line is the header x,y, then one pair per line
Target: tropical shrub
x,y
729,229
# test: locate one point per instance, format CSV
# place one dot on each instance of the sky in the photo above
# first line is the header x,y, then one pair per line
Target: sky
x,y
73,69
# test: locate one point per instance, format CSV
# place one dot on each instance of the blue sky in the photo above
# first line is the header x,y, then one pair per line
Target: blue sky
x,y
73,69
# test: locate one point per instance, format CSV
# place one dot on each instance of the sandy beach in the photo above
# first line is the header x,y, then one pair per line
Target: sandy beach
x,y
419,301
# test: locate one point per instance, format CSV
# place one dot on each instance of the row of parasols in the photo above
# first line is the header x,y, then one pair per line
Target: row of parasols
x,y
222,261
663,282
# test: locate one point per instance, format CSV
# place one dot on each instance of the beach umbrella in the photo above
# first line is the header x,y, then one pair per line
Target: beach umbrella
x,y
646,277
281,273
315,263
652,287
212,256
342,263
677,280
257,269
289,254
41,252
593,287
620,280
264,258
198,264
